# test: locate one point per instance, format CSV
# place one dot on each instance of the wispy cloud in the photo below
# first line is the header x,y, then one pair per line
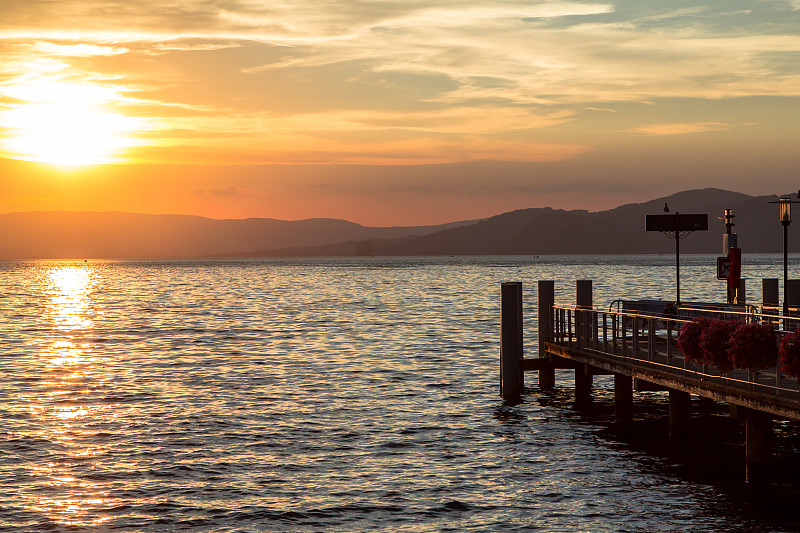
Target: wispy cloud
x,y
398,80
681,129
77,50
227,191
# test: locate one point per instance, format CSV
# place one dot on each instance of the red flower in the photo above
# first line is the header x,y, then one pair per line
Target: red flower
x,y
753,346
790,354
714,343
689,339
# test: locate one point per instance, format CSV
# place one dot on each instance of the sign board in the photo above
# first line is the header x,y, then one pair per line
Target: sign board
x,y
676,222
723,267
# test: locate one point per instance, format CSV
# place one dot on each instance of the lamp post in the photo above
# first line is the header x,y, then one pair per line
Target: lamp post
x,y
785,207
785,215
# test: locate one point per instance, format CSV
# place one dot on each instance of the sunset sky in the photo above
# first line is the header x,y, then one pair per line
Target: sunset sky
x,y
392,112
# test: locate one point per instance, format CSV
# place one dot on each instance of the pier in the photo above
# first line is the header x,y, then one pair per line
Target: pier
x,y
637,343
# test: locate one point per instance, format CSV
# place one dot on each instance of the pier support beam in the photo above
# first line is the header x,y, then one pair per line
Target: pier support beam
x,y
741,292
511,375
583,385
758,438
792,303
583,300
679,415
770,300
546,289
583,375
623,398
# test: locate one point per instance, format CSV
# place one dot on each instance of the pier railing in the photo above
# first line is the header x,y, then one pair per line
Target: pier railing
x,y
645,339
636,342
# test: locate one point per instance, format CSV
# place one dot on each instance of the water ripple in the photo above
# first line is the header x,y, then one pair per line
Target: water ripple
x,y
309,395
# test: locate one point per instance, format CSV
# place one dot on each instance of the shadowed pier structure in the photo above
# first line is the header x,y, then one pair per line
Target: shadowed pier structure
x,y
641,348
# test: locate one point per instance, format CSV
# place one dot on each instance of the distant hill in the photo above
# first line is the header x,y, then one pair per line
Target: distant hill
x,y
62,234
540,231
615,231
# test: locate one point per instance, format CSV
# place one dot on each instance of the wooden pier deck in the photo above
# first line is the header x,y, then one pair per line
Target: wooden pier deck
x,y
640,348
632,345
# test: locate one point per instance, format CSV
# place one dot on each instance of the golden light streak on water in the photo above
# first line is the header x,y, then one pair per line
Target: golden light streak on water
x,y
65,405
69,290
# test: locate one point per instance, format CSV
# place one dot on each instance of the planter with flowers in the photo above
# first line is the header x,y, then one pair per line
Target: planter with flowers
x,y
714,343
789,354
689,339
753,346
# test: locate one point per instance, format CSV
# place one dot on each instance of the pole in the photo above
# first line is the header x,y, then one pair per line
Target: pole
x,y
785,270
547,374
677,263
511,376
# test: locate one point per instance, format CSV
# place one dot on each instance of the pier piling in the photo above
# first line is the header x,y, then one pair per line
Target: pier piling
x,y
758,438
770,301
583,301
547,373
583,384
792,303
623,398
511,375
769,292
679,415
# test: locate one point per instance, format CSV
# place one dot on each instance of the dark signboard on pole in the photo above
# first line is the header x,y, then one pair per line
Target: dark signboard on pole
x,y
723,267
676,222
675,226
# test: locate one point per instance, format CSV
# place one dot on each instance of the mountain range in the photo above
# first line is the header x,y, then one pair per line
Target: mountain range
x,y
535,231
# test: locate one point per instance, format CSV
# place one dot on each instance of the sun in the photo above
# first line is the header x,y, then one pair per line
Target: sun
x,y
66,124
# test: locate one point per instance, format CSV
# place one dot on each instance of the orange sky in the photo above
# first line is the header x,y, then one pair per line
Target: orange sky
x,y
392,113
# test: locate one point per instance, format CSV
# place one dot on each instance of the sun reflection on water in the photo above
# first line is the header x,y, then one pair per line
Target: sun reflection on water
x,y
69,291
69,404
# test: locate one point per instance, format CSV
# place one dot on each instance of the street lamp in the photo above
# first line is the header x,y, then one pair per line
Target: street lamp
x,y
785,214
785,209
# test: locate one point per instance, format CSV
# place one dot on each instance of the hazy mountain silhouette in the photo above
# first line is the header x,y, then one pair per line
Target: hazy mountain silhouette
x,y
619,230
62,234
539,231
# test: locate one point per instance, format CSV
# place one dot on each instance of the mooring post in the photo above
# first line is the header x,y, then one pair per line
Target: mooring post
x,y
547,297
679,415
769,298
623,398
583,384
511,380
583,302
758,437
792,303
741,292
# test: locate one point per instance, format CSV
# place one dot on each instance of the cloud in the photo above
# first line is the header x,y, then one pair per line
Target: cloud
x,y
397,80
227,191
77,50
681,129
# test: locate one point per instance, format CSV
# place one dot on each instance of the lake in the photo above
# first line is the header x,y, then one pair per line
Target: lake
x,y
347,394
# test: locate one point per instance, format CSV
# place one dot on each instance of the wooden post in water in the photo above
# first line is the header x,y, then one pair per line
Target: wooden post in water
x,y
679,415
583,384
792,303
511,375
547,297
741,292
770,300
623,398
758,438
583,300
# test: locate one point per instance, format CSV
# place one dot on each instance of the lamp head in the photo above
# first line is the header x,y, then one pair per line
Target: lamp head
x,y
785,205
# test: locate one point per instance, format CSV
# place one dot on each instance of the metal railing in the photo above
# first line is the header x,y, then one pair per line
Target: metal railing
x,y
652,340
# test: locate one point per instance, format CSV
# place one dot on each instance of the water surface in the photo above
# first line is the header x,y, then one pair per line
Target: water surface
x,y
321,395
